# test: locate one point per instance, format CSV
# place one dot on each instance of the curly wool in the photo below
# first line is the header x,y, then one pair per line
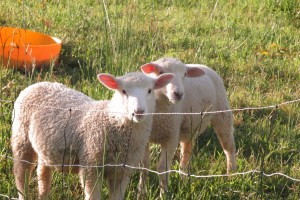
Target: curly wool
x,y
64,126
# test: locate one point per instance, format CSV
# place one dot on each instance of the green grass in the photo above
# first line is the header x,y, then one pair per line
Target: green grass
x,y
254,45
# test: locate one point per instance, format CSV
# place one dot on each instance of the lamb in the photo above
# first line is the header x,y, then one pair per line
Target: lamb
x,y
195,88
68,127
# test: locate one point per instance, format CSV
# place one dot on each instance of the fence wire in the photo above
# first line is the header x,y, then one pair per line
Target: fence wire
x,y
161,173
175,113
255,171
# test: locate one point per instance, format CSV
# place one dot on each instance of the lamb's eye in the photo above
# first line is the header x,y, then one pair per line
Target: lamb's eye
x,y
161,72
149,91
185,74
123,91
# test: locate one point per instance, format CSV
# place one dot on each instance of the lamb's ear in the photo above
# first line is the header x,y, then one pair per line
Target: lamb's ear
x,y
194,71
149,68
108,81
163,80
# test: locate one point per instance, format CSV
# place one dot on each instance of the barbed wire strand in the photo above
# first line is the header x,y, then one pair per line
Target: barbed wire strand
x,y
174,113
161,173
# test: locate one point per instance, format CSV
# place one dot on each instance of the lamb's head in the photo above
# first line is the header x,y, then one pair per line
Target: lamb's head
x,y
174,91
134,94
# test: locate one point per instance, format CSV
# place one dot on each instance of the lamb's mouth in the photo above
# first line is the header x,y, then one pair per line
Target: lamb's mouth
x,y
138,116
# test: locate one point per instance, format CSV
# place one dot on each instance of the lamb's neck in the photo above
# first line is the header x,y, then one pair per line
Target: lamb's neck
x,y
162,104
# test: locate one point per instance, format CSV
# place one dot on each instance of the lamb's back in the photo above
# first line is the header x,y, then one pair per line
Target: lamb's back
x,y
51,95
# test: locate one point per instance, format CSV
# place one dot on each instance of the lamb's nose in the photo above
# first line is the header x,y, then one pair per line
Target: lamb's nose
x,y
139,112
178,95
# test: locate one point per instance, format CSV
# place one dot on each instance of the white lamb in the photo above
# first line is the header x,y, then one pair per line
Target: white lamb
x,y
56,125
195,88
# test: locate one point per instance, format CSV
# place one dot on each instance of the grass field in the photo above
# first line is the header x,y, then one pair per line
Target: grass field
x,y
254,45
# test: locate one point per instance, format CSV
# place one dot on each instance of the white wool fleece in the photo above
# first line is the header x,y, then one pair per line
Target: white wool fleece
x,y
58,125
198,89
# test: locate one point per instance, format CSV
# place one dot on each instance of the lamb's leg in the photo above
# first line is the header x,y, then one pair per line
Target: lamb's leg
x,y
44,175
117,187
144,174
89,181
185,154
24,156
223,126
168,149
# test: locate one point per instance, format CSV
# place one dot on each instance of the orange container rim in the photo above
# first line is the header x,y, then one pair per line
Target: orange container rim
x,y
22,47
51,41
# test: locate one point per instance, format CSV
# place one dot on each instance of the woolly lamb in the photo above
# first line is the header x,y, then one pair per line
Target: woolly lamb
x,y
57,125
203,90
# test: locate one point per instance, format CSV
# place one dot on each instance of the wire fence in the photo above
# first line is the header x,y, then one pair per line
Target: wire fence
x,y
5,157
160,173
174,113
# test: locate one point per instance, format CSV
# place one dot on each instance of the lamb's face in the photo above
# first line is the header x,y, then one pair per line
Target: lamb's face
x,y
137,101
174,91
134,93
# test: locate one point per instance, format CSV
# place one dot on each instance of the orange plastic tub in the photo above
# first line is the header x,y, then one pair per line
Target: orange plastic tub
x,y
23,48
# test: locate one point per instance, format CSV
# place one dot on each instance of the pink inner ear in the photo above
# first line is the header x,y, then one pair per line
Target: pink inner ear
x,y
163,80
109,81
194,72
149,68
